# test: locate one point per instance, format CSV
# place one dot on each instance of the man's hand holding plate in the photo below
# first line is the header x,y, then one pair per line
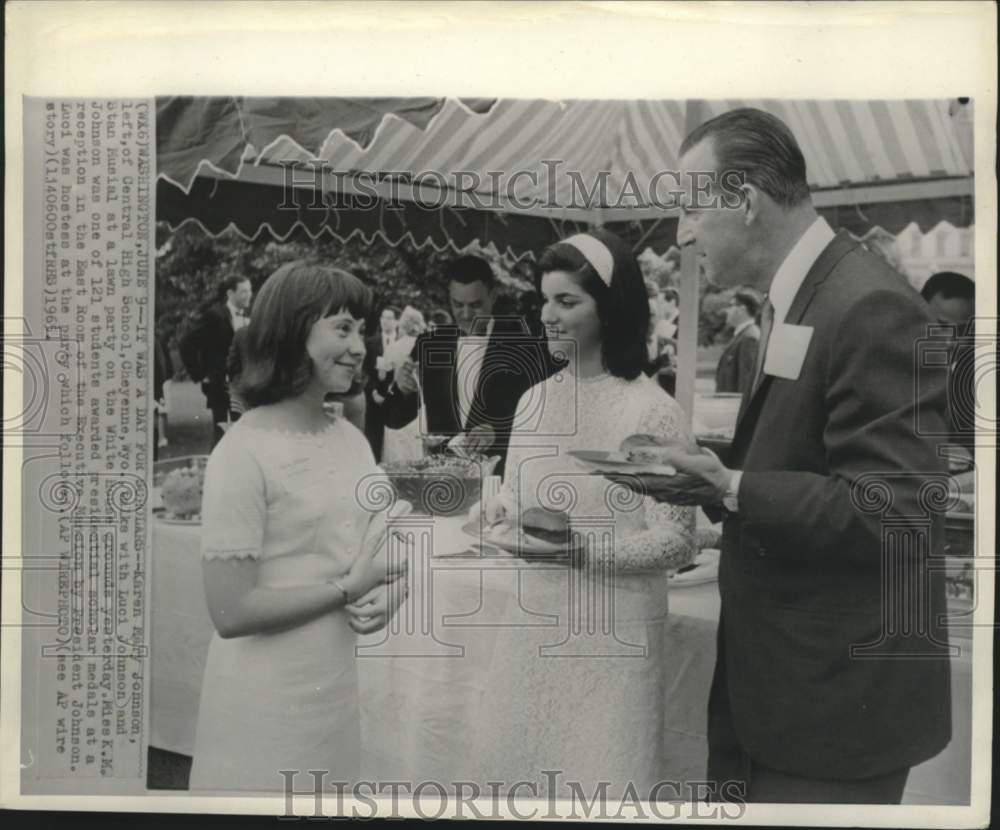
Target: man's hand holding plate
x,y
701,477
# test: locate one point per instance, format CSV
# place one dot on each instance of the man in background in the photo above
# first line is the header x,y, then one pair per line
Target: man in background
x,y
735,370
472,374
667,322
378,377
952,300
205,348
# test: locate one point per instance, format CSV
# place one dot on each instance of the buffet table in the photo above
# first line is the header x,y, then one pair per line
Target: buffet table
x,y
422,677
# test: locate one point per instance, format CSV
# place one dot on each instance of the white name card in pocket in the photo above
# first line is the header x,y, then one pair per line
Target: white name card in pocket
x,y
786,350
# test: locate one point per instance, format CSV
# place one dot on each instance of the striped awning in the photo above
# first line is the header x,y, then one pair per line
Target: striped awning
x,y
578,160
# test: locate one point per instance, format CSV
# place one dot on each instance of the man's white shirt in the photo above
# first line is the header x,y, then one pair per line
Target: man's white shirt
x,y
741,327
792,271
238,318
469,356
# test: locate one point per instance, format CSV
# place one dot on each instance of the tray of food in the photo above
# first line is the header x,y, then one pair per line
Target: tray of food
x,y
178,484
637,454
537,533
440,485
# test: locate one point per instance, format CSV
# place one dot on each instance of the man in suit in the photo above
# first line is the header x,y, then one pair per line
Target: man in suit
x,y
205,349
832,676
668,318
472,374
378,378
735,369
952,301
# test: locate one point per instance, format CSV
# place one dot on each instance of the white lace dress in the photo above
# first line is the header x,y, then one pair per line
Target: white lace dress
x,y
584,695
285,700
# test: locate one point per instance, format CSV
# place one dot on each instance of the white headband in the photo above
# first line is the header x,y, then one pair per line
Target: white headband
x,y
596,253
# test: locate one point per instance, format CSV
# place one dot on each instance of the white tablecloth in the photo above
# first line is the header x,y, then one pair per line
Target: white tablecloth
x,y
421,679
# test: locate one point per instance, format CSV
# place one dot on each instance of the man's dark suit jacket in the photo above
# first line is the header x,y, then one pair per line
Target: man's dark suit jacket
x,y
735,369
805,572
515,360
374,411
205,352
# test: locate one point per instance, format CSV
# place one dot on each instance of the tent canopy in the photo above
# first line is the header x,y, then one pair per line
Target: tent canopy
x,y
519,173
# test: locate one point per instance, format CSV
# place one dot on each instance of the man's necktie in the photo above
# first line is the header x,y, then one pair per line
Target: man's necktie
x,y
766,324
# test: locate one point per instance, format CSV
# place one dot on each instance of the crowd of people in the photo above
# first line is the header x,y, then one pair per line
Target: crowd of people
x,y
821,351
212,351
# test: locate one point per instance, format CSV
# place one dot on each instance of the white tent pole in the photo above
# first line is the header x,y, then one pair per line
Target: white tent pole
x,y
687,345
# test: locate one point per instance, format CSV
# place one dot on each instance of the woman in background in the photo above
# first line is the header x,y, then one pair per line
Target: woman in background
x,y
294,566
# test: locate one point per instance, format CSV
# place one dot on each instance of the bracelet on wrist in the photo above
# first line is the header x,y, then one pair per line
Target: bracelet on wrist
x,y
339,585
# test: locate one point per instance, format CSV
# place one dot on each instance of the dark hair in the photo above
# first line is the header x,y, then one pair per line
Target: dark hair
x,y
291,300
504,306
949,285
395,311
469,268
758,146
747,299
671,294
230,283
622,307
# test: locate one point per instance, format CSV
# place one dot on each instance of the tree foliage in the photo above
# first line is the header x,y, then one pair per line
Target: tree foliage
x,y
191,264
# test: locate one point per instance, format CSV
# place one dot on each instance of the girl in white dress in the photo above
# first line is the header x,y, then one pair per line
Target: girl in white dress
x,y
294,565
584,697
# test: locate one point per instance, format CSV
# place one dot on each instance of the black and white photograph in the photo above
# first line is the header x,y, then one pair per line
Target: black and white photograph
x,y
567,456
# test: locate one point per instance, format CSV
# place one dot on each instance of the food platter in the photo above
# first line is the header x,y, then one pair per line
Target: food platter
x,y
618,462
507,537
440,485
702,570
166,518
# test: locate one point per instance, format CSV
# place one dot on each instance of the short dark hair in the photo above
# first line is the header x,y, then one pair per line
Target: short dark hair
x,y
230,282
949,284
622,306
748,299
758,146
470,268
291,300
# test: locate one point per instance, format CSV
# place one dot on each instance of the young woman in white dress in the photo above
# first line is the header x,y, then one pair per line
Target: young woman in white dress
x,y
294,565
585,697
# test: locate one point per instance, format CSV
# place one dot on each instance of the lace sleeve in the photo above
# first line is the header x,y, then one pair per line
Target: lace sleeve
x,y
668,541
517,454
233,503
